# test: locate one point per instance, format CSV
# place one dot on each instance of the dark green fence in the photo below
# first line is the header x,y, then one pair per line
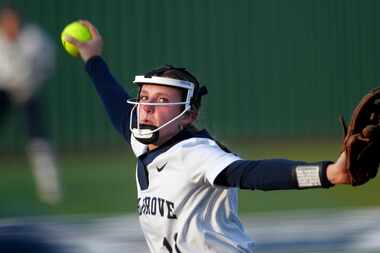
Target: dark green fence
x,y
273,67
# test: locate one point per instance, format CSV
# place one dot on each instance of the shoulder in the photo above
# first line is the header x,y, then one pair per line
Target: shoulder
x,y
204,158
199,147
190,143
202,141
34,35
32,31
202,152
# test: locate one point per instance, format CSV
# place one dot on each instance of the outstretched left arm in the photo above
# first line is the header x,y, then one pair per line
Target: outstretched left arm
x,y
282,174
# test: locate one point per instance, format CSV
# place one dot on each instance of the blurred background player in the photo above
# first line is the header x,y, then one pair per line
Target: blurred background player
x,y
26,61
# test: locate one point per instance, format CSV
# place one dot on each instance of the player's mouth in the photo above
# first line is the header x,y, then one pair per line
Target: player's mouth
x,y
147,122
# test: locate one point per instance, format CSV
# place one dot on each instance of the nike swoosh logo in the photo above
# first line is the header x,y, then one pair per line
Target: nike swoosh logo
x,y
162,167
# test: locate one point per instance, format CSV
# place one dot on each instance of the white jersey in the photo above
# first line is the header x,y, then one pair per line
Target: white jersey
x,y
26,62
180,209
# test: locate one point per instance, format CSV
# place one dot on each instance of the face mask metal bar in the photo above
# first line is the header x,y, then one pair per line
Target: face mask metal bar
x,y
165,81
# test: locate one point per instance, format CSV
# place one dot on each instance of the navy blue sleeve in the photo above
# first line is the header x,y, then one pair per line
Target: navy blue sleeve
x,y
271,174
112,94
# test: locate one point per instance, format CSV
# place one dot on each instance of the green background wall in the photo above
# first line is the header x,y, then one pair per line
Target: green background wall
x,y
272,67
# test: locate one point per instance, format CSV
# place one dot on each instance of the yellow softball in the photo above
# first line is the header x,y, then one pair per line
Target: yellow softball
x,y
78,31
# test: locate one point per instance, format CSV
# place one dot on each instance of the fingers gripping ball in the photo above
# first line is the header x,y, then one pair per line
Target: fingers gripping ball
x,y
78,31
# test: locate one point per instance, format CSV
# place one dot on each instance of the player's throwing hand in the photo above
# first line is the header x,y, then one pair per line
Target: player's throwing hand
x,y
89,48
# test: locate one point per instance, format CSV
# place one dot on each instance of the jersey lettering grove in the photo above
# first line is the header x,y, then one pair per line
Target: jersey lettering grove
x,y
156,206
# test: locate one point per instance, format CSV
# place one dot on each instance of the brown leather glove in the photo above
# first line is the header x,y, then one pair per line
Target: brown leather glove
x,y
362,139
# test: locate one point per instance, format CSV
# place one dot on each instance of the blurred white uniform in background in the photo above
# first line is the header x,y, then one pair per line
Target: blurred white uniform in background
x,y
27,59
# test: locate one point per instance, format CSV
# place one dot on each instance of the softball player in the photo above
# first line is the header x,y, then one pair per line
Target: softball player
x,y
26,61
187,182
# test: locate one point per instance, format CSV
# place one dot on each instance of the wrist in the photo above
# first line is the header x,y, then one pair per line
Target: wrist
x,y
336,175
327,179
89,58
330,173
312,175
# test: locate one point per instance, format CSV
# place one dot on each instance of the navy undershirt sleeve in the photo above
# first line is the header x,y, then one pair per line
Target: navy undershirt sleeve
x,y
112,94
271,174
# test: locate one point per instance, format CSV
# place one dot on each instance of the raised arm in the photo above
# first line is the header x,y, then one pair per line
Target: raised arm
x,y
112,94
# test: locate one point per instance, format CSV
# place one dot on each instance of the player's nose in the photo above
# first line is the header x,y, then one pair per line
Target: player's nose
x,y
148,108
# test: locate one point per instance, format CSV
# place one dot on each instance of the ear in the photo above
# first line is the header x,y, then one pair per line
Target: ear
x,y
189,117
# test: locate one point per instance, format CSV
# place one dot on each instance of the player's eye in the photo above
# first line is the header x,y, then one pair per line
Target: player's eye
x,y
143,98
163,100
